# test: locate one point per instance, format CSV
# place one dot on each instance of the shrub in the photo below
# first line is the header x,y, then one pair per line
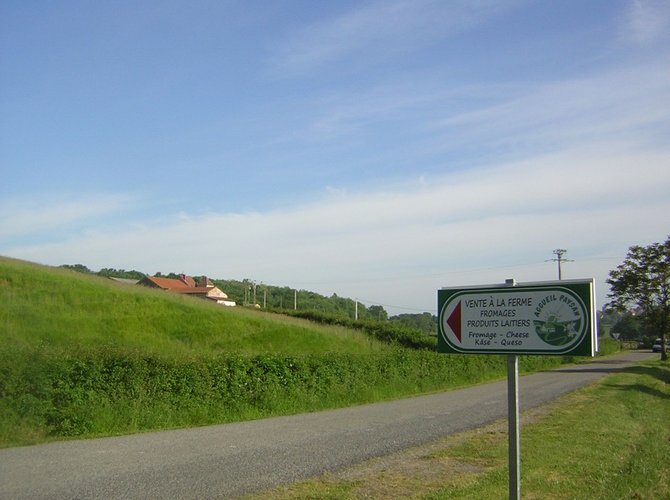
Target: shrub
x,y
391,333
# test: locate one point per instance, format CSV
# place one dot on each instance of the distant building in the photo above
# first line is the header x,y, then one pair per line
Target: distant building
x,y
187,285
125,281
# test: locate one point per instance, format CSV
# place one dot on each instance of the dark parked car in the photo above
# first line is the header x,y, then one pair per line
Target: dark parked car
x,y
657,345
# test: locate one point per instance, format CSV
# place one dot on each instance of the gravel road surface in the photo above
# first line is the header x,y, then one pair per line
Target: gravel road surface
x,y
229,460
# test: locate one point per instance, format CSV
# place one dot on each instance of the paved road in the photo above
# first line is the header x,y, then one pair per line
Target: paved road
x,y
229,460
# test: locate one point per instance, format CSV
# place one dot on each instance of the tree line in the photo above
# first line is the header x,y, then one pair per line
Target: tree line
x,y
639,308
248,293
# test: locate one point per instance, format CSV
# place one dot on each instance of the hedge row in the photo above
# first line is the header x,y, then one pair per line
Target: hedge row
x,y
381,330
110,392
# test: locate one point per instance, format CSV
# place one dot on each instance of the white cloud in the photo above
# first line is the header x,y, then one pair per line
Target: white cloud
x,y
45,213
380,27
396,245
647,21
417,118
613,105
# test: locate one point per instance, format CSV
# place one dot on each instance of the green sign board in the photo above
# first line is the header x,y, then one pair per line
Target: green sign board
x,y
546,318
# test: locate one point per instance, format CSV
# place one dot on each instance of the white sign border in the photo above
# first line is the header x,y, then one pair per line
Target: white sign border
x,y
497,287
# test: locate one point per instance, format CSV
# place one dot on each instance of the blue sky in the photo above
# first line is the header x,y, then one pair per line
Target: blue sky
x,y
378,150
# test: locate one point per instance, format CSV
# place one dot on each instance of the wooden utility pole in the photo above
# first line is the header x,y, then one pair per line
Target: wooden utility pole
x,y
559,252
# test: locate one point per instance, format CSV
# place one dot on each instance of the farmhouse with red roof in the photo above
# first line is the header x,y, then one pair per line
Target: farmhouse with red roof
x,y
188,286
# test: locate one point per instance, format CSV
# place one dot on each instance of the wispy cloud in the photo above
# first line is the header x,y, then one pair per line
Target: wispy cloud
x,y
380,27
428,119
647,21
616,104
408,101
20,217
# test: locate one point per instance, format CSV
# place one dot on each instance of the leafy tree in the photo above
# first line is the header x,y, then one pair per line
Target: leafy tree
x,y
426,322
378,313
643,281
283,299
110,272
80,268
631,327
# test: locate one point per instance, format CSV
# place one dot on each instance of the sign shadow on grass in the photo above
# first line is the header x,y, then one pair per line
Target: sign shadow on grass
x,y
640,388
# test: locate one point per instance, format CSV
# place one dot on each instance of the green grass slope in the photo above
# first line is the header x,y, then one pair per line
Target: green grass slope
x,y
84,356
64,309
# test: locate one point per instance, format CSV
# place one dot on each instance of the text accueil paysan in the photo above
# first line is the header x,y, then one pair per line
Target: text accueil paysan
x,y
500,312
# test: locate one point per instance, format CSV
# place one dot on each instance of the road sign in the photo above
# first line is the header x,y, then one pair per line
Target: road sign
x,y
547,318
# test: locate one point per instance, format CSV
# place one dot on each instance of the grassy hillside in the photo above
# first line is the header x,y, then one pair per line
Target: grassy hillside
x,y
61,308
81,355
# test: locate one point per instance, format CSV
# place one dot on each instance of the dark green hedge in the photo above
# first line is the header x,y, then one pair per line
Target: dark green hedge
x,y
106,391
384,331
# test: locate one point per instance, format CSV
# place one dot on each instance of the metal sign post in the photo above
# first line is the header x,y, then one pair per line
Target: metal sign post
x,y
513,433
514,446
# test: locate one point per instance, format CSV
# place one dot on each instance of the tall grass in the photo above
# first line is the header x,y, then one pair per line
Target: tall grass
x,y
85,356
46,392
61,308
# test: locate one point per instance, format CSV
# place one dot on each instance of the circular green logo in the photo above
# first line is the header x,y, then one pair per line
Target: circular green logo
x,y
559,318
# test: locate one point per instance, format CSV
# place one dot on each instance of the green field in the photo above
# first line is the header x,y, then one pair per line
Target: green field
x,y
81,355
